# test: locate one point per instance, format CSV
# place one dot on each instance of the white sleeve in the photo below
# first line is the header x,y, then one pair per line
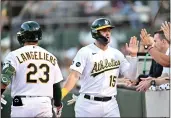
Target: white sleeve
x,y
79,61
165,71
129,67
58,73
10,59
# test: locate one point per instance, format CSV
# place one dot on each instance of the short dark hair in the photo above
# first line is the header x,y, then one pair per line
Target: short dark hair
x,y
161,35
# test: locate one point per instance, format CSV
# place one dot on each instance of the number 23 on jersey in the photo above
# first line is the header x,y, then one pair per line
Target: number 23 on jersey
x,y
33,69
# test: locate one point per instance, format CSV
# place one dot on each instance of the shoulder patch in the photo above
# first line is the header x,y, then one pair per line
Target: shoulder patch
x,y
78,64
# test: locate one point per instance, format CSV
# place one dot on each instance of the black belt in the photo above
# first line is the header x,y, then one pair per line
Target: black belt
x,y
103,99
17,101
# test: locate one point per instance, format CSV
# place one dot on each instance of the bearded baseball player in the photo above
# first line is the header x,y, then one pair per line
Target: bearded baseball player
x,y
34,75
98,66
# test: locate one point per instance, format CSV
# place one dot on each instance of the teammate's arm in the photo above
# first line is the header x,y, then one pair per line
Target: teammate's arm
x,y
8,72
57,94
71,81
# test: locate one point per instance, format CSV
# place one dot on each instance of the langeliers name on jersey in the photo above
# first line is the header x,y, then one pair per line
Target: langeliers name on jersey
x,y
36,56
104,65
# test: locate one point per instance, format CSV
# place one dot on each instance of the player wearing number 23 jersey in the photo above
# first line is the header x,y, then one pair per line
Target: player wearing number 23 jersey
x,y
36,71
34,75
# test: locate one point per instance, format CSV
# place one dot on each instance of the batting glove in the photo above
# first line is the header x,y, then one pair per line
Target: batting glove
x,y
58,110
74,98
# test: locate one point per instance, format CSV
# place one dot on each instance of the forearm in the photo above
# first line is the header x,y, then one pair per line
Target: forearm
x,y
57,95
163,80
131,72
159,57
69,85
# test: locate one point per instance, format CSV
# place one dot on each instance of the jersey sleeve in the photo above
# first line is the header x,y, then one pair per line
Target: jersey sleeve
x,y
124,66
9,69
10,59
165,71
79,61
128,66
58,73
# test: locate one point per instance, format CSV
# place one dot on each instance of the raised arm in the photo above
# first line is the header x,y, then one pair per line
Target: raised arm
x,y
166,29
132,48
129,65
159,57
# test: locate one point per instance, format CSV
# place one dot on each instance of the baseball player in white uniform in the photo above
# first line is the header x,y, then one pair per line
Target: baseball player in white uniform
x,y
98,66
34,75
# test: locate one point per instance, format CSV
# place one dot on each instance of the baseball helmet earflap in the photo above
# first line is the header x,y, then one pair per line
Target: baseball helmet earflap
x,y
98,24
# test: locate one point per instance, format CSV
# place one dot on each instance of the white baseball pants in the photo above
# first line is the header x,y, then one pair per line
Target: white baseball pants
x,y
33,107
91,108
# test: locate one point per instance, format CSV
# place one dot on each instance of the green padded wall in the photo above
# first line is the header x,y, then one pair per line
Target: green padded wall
x,y
131,103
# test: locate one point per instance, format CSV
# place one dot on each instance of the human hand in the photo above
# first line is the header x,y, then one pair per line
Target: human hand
x,y
127,82
74,98
133,46
58,110
146,39
144,84
166,29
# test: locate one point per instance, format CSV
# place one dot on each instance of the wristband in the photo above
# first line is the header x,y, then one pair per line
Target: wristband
x,y
153,82
150,48
64,92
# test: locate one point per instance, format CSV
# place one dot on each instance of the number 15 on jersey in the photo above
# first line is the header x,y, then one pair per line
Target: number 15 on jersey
x,y
112,81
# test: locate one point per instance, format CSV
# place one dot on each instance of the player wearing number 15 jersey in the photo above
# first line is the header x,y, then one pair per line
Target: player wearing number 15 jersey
x,y
98,66
34,75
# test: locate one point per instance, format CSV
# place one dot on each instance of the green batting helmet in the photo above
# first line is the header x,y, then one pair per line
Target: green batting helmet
x,y
98,24
30,31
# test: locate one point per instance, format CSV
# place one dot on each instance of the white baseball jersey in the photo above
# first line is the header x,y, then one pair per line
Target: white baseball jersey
x,y
100,69
36,71
166,69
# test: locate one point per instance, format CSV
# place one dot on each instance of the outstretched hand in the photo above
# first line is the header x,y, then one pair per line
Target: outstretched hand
x,y
146,39
73,100
144,84
166,29
132,48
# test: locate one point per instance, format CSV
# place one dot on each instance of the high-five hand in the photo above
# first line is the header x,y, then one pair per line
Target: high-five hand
x,y
132,48
166,29
146,39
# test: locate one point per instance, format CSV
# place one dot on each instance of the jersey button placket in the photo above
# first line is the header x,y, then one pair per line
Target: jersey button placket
x,y
104,73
